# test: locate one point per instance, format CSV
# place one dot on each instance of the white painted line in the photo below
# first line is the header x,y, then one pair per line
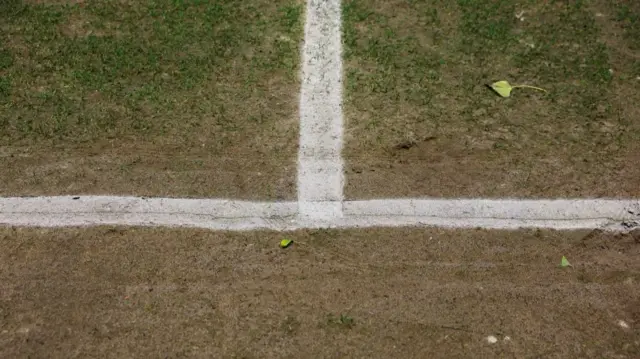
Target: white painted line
x,y
65,211
56,220
243,215
347,222
175,220
562,214
320,165
557,209
217,208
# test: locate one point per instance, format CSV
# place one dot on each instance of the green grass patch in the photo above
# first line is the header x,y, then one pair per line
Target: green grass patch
x,y
152,97
84,70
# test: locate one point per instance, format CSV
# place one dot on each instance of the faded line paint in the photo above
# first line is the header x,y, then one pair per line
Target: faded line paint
x,y
544,209
215,208
320,165
565,214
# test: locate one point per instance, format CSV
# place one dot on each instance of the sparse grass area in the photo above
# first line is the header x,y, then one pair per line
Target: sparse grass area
x,y
341,321
422,122
207,85
627,14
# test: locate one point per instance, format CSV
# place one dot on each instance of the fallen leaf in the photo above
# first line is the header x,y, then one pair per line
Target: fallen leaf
x,y
564,262
285,243
504,88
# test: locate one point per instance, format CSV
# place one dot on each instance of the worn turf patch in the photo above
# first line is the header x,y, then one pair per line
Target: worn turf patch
x,y
188,98
421,120
116,292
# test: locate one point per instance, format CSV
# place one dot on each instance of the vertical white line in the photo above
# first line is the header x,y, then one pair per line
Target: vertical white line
x,y
320,165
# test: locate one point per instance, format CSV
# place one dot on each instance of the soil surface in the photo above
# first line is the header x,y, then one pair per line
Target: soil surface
x,y
392,293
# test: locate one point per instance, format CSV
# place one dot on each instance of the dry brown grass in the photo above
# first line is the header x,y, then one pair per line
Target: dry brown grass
x,y
124,293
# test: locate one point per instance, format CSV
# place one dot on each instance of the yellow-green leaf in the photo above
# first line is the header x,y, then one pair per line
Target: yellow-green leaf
x,y
285,243
502,88
564,262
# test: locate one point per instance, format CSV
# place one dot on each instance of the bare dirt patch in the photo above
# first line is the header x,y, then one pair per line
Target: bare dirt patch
x,y
421,122
149,98
401,293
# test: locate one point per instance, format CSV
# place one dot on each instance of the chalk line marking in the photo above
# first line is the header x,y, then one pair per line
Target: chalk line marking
x,y
61,211
320,165
549,209
64,211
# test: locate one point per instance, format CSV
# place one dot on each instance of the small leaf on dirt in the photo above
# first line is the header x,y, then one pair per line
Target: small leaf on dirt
x,y
564,262
285,243
502,88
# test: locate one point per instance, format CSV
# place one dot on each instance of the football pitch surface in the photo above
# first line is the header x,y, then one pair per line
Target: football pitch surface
x,y
328,123
358,293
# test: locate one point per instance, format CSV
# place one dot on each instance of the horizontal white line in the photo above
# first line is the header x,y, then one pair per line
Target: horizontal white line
x,y
65,211
555,209
453,223
97,205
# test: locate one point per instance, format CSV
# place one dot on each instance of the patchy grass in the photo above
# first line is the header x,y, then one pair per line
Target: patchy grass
x,y
421,121
341,321
627,14
624,27
162,78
